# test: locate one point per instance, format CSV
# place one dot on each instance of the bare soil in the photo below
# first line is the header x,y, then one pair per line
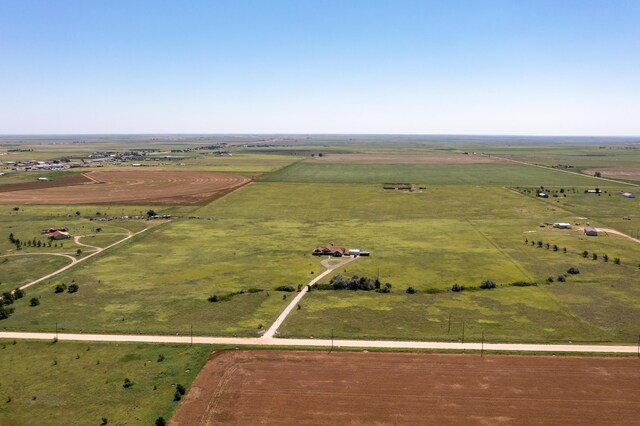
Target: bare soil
x,y
404,159
628,174
360,388
129,187
69,180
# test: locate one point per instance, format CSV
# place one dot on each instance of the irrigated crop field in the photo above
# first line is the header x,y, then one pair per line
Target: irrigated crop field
x,y
291,388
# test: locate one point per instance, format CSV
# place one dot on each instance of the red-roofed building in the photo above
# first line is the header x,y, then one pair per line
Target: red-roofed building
x,y
329,250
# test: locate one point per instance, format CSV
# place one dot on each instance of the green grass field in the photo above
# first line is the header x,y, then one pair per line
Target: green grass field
x,y
69,383
261,235
433,174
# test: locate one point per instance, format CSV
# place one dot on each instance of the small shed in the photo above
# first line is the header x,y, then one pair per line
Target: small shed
x,y
354,252
543,195
628,195
590,231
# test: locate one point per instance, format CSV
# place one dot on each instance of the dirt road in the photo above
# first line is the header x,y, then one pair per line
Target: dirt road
x,y
322,343
273,330
75,261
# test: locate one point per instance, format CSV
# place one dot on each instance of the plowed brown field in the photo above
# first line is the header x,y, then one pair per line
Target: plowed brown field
x,y
318,388
130,187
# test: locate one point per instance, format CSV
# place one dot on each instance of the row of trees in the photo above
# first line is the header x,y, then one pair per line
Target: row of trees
x,y
31,243
594,256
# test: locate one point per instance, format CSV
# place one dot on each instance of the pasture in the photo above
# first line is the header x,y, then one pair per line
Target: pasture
x,y
82,383
261,235
429,174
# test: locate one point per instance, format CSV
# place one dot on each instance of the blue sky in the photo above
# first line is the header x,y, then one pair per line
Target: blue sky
x,y
268,66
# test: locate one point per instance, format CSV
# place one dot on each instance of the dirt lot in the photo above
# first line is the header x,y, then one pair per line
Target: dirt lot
x,y
404,159
628,174
130,187
359,388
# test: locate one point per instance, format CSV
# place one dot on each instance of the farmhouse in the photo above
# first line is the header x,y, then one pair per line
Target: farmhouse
x,y
562,225
59,235
628,195
591,232
329,249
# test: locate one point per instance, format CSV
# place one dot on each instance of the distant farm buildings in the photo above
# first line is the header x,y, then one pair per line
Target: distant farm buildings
x,y
562,225
590,232
331,250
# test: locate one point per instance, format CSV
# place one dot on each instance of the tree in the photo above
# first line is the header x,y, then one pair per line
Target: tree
x,y
5,312
616,260
597,174
410,290
34,301
539,244
606,258
151,213
214,298
561,278
555,247
104,421
160,421
73,288
11,238
78,214
60,288
127,383
78,252
585,254
594,256
573,270
180,389
487,285
549,279
548,246
457,287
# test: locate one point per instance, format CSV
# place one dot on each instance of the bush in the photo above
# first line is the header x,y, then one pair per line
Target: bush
x,y
73,288
5,312
410,290
573,270
457,287
60,288
487,285
160,421
214,298
34,301
384,289
616,260
549,279
522,284
180,389
127,383
561,278
286,288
